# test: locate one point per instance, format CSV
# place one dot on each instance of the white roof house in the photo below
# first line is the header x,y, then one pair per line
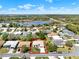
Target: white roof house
x,y
58,41
40,45
17,32
11,30
7,30
38,42
3,29
34,30
11,44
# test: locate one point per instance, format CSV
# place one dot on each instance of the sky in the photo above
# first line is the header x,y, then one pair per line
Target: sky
x,y
39,6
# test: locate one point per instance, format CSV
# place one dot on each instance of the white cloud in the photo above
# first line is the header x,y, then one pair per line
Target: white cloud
x,y
12,9
26,6
50,1
41,8
0,6
73,3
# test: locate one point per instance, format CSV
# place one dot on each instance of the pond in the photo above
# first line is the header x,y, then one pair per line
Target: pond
x,y
33,23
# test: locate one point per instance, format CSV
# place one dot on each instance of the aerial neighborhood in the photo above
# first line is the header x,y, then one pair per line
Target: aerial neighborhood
x,y
50,37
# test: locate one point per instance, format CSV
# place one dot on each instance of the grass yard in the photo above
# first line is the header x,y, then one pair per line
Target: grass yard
x,y
35,49
14,51
15,58
65,49
41,58
3,50
73,57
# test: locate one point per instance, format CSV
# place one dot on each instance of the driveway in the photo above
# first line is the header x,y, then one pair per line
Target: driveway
x,y
32,57
52,57
10,50
5,57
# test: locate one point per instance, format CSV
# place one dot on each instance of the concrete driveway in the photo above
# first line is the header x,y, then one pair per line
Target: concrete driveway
x,y
10,50
5,57
32,57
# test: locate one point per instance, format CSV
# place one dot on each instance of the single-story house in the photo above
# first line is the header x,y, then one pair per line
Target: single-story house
x,y
10,30
3,29
51,34
11,44
39,44
68,32
76,38
17,32
58,40
34,30
19,29
22,43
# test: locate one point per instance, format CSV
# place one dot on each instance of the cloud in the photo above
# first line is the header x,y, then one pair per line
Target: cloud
x,y
50,1
40,8
26,6
0,6
73,3
12,9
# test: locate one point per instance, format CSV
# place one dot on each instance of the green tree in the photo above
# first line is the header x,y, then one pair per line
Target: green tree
x,y
23,38
25,49
41,35
3,25
4,36
13,25
51,47
69,44
29,37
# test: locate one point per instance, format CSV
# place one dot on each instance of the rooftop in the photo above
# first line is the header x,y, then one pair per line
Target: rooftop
x,y
11,43
21,43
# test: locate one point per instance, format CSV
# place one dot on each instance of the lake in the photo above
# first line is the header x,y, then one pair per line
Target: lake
x,y
33,23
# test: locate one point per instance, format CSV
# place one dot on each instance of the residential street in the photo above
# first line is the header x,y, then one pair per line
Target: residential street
x,y
49,54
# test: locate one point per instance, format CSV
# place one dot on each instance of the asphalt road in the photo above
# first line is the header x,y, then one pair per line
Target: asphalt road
x,y
28,55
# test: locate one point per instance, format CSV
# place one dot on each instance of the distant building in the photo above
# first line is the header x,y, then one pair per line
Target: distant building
x,y
58,41
67,32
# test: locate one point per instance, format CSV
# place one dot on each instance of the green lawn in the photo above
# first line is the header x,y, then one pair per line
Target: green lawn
x,y
73,57
14,51
15,58
3,50
35,49
65,49
41,58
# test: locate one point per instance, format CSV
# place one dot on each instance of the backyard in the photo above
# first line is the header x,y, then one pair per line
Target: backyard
x,y
36,50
